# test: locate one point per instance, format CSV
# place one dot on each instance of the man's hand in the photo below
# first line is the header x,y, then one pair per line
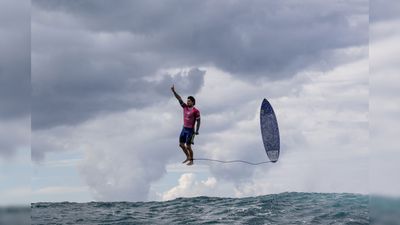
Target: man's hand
x,y
177,96
196,133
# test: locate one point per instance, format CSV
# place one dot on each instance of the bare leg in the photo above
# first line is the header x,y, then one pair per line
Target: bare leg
x,y
189,148
182,145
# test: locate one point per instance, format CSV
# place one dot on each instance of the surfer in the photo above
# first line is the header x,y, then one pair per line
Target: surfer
x,y
191,117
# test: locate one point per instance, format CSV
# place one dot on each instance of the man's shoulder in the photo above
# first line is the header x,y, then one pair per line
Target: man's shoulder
x,y
196,110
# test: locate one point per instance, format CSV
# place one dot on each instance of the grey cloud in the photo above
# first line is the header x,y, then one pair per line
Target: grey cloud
x,y
96,58
14,134
381,10
14,76
78,74
254,39
72,100
14,60
186,83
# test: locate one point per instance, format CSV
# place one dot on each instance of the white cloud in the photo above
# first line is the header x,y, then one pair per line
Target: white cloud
x,y
323,121
125,152
189,187
384,107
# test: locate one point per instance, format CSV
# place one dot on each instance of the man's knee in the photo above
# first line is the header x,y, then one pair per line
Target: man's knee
x,y
182,145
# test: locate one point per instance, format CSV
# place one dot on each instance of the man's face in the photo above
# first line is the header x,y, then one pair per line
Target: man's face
x,y
189,103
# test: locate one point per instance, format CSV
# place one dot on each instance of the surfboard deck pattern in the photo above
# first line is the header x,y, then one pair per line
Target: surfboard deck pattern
x,y
269,131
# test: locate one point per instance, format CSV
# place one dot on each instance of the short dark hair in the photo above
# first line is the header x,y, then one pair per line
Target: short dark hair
x,y
192,99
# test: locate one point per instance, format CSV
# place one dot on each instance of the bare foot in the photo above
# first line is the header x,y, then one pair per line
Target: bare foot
x,y
186,160
190,163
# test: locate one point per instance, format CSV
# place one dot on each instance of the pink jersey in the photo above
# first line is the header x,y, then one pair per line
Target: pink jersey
x,y
190,115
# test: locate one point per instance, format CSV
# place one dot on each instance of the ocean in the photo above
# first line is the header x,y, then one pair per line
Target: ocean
x,y
284,208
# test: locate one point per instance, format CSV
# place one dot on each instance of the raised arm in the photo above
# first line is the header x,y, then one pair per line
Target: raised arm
x,y
177,96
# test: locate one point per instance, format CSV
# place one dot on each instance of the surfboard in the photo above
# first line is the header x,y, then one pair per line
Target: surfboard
x,y
269,131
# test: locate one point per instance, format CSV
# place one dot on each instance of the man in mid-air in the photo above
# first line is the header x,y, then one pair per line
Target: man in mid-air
x,y
191,117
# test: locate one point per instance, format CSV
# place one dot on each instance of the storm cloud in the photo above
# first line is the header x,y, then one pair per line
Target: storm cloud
x,y
14,60
15,84
93,56
102,72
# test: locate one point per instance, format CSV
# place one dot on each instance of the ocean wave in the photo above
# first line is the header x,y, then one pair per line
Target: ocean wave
x,y
284,208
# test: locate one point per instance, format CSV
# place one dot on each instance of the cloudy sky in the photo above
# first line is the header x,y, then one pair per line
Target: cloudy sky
x,y
15,86
384,97
105,124
101,123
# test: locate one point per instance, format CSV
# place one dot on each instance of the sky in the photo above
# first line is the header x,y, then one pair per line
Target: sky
x,y
104,117
105,124
15,160
384,98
